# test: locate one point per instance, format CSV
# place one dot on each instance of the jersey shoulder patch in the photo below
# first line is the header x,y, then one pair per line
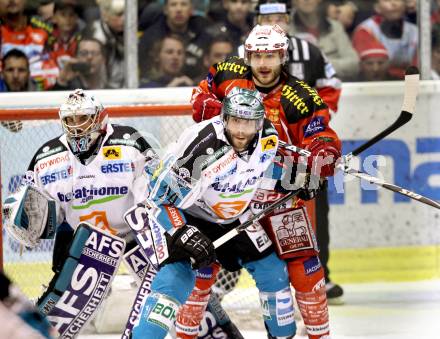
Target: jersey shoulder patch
x,y
205,148
232,68
127,136
53,146
299,100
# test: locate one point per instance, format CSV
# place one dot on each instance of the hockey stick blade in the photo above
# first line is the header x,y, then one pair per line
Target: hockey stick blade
x,y
391,187
408,107
235,231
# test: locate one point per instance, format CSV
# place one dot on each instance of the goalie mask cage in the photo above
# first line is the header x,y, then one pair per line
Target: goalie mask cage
x,y
30,119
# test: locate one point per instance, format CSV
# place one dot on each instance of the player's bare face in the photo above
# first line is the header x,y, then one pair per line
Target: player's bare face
x,y
266,68
241,132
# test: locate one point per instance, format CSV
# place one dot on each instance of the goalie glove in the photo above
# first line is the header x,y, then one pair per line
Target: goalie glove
x,y
206,106
29,215
187,242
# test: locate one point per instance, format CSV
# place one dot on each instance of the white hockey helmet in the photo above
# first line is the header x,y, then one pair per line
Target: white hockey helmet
x,y
83,119
266,39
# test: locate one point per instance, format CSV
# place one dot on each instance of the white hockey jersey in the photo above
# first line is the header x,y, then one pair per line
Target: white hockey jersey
x,y
219,183
100,192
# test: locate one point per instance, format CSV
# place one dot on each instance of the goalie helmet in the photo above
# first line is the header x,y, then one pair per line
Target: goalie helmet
x,y
266,39
83,120
244,104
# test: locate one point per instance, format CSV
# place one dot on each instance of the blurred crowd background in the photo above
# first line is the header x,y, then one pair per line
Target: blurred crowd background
x,y
68,44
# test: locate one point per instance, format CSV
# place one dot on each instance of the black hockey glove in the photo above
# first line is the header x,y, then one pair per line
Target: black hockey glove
x,y
189,243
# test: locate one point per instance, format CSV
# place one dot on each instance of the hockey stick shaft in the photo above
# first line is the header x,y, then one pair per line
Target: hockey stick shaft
x,y
235,231
408,107
391,187
371,179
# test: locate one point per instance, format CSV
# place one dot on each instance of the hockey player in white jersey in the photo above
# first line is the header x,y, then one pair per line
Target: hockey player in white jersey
x,y
91,174
223,161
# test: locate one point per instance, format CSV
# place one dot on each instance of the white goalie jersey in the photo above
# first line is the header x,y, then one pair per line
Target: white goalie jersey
x,y
100,192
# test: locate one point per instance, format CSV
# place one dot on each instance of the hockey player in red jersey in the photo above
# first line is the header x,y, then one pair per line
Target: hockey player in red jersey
x,y
289,104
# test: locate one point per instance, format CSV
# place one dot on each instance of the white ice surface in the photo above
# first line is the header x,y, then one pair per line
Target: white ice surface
x,y
377,311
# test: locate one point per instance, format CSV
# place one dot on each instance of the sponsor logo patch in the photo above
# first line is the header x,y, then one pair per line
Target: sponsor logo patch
x,y
87,196
117,167
226,209
61,174
316,125
268,143
312,265
175,216
112,153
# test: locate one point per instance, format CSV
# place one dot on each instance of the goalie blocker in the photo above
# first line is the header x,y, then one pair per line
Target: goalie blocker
x,y
76,292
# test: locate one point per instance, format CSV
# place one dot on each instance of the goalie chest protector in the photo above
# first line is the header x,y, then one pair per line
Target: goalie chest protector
x,y
100,192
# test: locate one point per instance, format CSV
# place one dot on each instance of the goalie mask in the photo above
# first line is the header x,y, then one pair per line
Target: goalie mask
x,y
243,116
83,120
268,40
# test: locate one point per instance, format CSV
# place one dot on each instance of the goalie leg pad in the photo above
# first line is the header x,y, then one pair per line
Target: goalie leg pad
x,y
143,271
76,292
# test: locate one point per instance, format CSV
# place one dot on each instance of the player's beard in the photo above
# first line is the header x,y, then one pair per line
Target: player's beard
x,y
267,81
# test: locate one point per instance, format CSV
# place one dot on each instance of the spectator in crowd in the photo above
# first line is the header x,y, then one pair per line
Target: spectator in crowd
x,y
109,29
65,37
168,58
435,11
398,36
88,70
16,73
435,52
310,23
46,9
411,11
15,78
218,49
347,13
374,62
30,35
176,18
237,21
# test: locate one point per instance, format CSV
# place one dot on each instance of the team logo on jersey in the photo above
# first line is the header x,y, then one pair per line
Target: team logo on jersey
x,y
98,219
226,209
268,143
274,115
112,153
